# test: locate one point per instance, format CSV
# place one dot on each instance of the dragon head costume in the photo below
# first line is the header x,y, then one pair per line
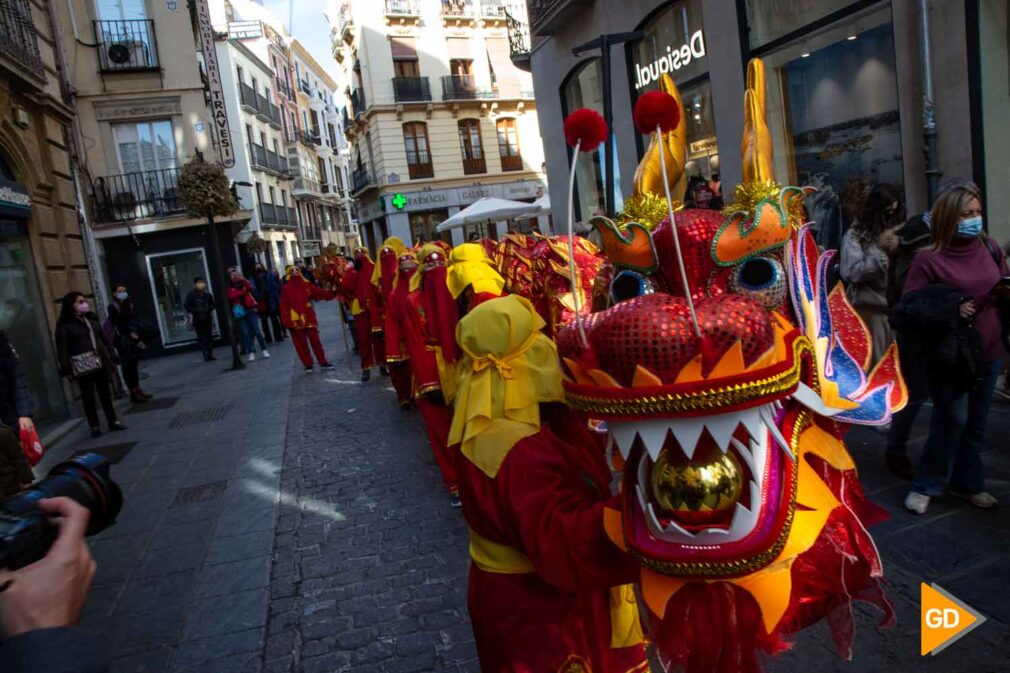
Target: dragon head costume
x,y
726,414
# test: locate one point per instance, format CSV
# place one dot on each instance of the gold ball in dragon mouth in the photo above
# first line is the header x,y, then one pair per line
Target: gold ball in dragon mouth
x,y
714,484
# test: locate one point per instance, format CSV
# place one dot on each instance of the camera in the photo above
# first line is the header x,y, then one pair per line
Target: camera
x,y
26,533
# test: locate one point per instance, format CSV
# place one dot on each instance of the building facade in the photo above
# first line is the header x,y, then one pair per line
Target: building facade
x,y
845,93
436,114
141,112
42,252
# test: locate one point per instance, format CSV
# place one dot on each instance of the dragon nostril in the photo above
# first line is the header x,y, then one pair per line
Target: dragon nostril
x,y
757,273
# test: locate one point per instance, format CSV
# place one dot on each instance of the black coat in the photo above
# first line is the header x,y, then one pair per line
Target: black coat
x,y
200,305
15,398
72,339
935,335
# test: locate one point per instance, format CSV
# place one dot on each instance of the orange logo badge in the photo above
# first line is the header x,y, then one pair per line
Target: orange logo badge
x,y
944,619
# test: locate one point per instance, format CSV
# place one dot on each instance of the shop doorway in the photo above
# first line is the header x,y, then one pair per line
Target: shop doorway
x,y
171,275
423,226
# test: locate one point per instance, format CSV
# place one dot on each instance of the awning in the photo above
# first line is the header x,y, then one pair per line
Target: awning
x,y
403,48
488,209
501,64
459,48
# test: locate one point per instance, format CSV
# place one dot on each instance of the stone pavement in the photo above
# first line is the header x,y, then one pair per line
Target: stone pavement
x,y
300,525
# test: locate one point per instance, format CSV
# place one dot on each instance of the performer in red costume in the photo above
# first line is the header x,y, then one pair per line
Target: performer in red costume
x,y
385,279
548,590
357,284
472,278
299,317
409,318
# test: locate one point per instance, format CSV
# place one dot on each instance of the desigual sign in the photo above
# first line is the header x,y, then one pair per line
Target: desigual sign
x,y
672,61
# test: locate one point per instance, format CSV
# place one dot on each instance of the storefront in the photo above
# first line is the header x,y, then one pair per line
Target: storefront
x,y
989,74
22,316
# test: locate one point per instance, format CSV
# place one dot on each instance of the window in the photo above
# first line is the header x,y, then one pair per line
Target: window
x,y
284,197
415,140
238,71
255,86
404,52
582,89
121,10
146,147
508,145
249,135
461,67
406,69
471,147
282,255
273,195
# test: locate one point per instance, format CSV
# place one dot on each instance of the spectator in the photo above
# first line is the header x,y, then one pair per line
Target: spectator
x,y
268,292
306,269
200,306
41,603
474,237
864,261
299,317
963,260
913,236
85,355
243,302
127,340
15,415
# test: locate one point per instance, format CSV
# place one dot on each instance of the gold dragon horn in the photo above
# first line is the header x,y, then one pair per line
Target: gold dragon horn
x,y
649,174
756,145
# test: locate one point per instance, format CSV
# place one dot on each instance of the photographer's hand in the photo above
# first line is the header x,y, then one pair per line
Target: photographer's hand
x,y
51,592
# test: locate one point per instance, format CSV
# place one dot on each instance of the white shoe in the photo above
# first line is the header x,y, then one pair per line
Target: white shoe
x,y
266,353
251,358
982,500
916,502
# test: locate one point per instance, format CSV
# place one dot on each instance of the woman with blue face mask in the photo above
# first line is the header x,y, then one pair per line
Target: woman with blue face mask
x,y
952,283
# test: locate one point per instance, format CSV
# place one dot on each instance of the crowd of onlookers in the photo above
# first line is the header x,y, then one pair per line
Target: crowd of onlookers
x,y
937,285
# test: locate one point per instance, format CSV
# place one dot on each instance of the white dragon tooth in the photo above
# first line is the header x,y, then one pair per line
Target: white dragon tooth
x,y
673,528
624,435
653,434
751,419
773,428
722,428
744,453
759,450
687,431
743,522
812,400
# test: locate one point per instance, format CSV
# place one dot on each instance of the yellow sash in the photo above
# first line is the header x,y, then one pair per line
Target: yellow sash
x,y
492,557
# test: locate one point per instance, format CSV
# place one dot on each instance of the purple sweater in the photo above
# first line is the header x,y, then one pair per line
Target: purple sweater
x,y
968,266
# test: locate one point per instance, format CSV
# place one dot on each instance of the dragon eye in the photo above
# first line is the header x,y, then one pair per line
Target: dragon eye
x,y
628,285
761,279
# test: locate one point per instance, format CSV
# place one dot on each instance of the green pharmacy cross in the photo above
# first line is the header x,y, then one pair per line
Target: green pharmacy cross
x,y
399,200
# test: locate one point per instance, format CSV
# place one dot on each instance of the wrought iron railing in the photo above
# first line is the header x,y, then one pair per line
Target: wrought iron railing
x,y
247,97
492,9
360,178
273,161
511,162
284,88
460,8
411,89
419,164
540,9
18,39
358,105
258,156
126,45
305,87
402,8
519,37
132,196
474,165
262,107
459,87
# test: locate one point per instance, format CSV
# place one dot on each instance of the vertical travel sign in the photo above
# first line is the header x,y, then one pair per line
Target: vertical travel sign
x,y
218,111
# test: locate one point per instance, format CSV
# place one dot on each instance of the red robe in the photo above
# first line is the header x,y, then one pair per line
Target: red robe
x,y
406,320
546,502
393,355
357,286
297,296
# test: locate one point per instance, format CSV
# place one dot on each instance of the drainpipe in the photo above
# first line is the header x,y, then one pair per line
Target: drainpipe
x,y
929,132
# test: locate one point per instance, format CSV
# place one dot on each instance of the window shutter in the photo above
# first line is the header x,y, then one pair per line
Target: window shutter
x,y
403,48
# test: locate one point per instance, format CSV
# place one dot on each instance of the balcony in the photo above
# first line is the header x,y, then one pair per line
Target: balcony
x,y
492,9
134,196
278,216
419,165
345,19
360,178
462,87
458,9
309,139
519,42
305,87
474,165
305,187
284,89
511,162
262,108
548,16
258,157
358,105
347,121
411,89
20,42
247,98
126,46
273,162
403,8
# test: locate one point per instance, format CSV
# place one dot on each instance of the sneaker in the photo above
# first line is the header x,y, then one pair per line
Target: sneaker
x,y
982,499
266,353
96,432
405,405
116,426
251,358
327,367
366,375
383,370
308,370
454,500
916,502
1001,394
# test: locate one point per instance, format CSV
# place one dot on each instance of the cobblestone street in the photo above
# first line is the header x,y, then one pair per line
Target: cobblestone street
x,y
287,522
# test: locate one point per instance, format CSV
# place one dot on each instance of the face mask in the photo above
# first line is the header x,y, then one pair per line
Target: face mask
x,y
82,307
201,286
121,296
970,227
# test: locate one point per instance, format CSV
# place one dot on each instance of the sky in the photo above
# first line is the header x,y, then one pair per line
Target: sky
x,y
310,27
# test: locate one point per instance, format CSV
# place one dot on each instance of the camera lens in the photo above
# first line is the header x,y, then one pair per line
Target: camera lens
x,y
84,478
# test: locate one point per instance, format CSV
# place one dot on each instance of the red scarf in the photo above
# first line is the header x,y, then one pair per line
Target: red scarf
x,y
388,262
440,312
363,293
